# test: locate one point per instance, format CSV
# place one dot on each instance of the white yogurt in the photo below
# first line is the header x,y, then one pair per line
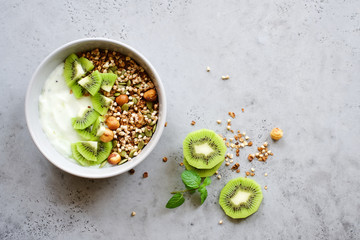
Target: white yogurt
x,y
57,106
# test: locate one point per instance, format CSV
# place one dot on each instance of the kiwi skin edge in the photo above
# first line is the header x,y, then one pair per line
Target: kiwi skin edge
x,y
202,172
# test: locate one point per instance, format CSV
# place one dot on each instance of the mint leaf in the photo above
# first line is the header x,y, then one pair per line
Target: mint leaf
x,y
203,193
175,201
206,181
191,179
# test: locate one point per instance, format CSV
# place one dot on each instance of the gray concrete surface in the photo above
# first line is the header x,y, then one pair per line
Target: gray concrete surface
x,y
292,64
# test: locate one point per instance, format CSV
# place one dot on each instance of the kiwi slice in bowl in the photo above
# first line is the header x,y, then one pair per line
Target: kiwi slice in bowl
x,y
86,64
98,128
88,149
85,118
240,197
204,149
101,103
72,70
77,90
91,82
108,80
103,151
202,172
79,158
87,134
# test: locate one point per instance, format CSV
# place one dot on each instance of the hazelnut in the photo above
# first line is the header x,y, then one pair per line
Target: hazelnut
x,y
114,158
150,95
112,123
122,99
276,134
107,136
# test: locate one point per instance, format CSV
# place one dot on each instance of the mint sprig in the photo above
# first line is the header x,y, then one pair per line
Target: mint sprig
x,y
192,182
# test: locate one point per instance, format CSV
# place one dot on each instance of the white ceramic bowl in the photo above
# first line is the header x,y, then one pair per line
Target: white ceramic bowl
x,y
32,106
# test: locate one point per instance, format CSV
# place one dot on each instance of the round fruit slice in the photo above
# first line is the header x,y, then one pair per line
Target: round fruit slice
x,y
202,172
240,197
204,149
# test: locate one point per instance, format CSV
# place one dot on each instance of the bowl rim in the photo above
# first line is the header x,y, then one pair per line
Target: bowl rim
x,y
154,139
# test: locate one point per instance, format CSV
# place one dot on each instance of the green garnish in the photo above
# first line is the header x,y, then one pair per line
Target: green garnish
x,y
192,182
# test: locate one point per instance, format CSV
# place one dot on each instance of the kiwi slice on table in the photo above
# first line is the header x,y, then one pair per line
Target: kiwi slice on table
x,y
86,64
108,80
88,149
202,172
98,127
87,134
72,70
91,82
101,103
79,158
240,197
85,118
204,149
104,150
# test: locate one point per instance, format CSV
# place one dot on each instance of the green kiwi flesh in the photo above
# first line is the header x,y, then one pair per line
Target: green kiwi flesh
x,y
79,158
88,149
202,172
108,80
77,90
240,197
72,70
86,134
91,82
86,64
104,150
85,119
98,127
101,103
204,149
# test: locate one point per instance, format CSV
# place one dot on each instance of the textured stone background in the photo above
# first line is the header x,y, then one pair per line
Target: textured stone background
x,y
293,64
